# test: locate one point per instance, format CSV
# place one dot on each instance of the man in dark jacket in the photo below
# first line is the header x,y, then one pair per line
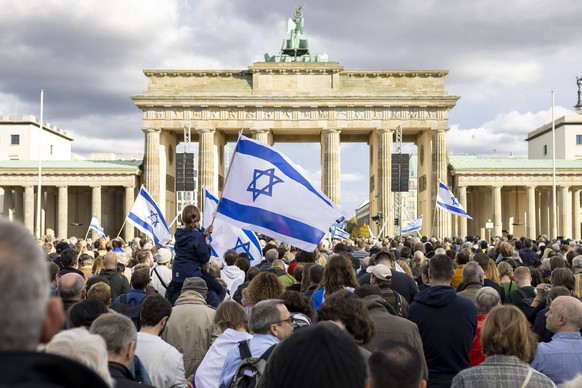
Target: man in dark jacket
x,y
120,336
446,322
118,283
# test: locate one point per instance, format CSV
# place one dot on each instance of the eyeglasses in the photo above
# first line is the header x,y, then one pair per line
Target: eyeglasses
x,y
288,320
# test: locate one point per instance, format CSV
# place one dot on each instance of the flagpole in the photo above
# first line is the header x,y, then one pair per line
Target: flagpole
x,y
39,189
122,225
227,175
175,219
87,234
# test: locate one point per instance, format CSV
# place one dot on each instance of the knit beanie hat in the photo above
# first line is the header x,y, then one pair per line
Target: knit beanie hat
x,y
195,284
320,355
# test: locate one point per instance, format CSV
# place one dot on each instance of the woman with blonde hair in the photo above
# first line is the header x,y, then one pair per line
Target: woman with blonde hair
x,y
510,346
405,267
338,274
232,320
506,277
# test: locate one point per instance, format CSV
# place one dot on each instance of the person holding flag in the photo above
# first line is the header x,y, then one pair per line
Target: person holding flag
x,y
192,251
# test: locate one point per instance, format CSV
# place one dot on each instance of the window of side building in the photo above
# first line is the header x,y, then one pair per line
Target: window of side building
x,y
14,139
578,139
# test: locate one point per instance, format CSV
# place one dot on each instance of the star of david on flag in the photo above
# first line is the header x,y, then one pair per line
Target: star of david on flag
x,y
265,188
266,193
147,217
226,236
447,201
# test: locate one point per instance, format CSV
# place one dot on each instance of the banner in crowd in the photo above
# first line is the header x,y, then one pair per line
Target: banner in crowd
x,y
265,192
147,217
447,201
226,236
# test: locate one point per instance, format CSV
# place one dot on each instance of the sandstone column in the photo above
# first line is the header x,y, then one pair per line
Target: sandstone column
x,y
463,220
263,135
206,161
565,197
18,204
63,211
151,164
385,137
497,220
8,204
96,208
29,207
439,157
129,199
330,163
530,228
530,200
576,208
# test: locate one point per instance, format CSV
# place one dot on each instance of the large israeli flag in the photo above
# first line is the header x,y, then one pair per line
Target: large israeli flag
x,y
447,201
266,193
414,226
96,226
147,217
226,236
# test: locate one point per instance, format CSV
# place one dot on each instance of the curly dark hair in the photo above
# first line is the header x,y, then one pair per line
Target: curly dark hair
x,y
264,286
338,273
297,302
347,308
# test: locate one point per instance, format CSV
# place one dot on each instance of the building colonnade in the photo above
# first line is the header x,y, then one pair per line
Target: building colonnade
x,y
522,210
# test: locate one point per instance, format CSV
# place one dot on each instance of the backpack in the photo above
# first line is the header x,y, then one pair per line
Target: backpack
x,y
525,300
129,310
250,369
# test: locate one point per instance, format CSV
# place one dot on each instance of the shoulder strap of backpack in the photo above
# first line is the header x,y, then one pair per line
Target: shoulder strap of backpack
x,y
265,356
521,293
243,349
398,303
160,278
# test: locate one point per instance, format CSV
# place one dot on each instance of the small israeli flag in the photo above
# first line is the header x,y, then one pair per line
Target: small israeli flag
x,y
338,233
447,201
96,226
147,217
414,226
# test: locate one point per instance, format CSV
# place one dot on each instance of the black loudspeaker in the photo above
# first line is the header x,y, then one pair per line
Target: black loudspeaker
x,y
400,172
186,172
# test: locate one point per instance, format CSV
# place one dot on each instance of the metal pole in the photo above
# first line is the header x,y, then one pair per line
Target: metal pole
x,y
39,189
554,206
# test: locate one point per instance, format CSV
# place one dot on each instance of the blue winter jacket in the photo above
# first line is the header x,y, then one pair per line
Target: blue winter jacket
x,y
191,252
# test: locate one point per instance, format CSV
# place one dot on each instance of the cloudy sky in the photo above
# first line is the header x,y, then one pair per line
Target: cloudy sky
x,y
504,58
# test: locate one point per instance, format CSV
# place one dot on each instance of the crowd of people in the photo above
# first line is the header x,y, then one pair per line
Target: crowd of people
x,y
395,312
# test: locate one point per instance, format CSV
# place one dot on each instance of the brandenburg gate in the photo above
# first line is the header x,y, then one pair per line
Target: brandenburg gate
x,y
299,101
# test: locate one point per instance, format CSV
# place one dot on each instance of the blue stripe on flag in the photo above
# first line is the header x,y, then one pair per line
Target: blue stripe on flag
x,y
259,151
452,209
144,225
270,220
253,239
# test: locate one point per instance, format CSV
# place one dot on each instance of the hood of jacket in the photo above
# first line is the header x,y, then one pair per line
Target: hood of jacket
x,y
185,237
376,302
190,297
232,272
277,271
108,273
436,296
